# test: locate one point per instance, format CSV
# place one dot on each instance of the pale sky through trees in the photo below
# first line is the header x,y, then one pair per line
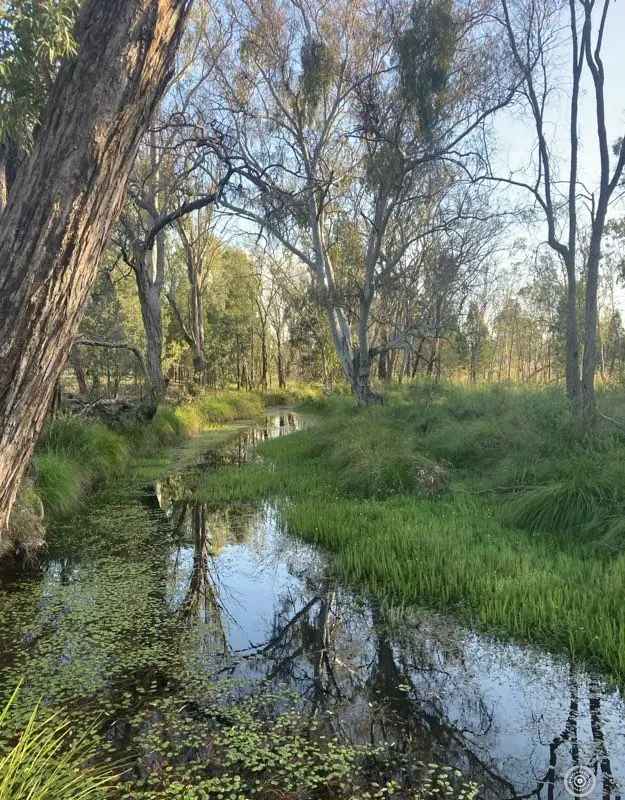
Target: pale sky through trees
x,y
515,140
515,129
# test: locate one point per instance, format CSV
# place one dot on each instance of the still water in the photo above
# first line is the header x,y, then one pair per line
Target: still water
x,y
151,594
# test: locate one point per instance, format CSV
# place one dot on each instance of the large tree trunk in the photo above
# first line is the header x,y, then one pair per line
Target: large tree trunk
x,y
64,201
355,364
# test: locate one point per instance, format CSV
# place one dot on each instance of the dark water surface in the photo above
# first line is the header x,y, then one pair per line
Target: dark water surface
x,y
149,597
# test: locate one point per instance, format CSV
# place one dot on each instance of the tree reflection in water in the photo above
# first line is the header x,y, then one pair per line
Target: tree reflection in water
x,y
273,616
175,596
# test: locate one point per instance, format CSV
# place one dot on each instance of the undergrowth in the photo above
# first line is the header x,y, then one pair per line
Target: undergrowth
x,y
75,455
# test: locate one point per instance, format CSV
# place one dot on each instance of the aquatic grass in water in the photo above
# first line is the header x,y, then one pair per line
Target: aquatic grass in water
x,y
456,556
46,763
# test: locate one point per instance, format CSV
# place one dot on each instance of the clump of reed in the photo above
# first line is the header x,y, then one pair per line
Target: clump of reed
x,y
44,762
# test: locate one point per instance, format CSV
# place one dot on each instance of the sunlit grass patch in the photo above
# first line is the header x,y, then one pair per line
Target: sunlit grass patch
x,y
456,555
523,533
60,481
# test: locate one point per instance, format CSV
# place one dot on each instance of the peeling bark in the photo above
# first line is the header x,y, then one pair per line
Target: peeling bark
x,y
64,201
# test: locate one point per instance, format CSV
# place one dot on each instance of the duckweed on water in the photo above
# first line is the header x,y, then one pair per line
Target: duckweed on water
x,y
98,637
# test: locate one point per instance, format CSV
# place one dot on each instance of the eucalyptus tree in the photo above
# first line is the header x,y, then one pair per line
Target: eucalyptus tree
x,y
537,34
354,115
63,202
173,178
168,184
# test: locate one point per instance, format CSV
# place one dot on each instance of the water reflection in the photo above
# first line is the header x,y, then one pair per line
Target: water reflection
x,y
226,592
241,449
512,719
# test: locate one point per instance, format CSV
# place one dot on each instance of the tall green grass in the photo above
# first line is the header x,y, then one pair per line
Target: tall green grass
x,y
45,763
516,448
75,455
482,500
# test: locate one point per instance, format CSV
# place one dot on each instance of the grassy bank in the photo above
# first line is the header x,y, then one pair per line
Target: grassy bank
x,y
74,455
484,501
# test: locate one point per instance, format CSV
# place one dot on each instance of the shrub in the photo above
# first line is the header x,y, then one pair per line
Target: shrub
x,y
60,481
375,460
294,394
187,420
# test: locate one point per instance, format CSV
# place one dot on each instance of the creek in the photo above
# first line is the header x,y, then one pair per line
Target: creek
x,y
148,597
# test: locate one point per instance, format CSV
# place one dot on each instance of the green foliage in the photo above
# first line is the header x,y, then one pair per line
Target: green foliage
x,y
581,495
294,394
34,36
45,763
93,445
425,51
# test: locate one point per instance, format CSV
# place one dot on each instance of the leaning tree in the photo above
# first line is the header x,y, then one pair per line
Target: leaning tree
x,y
64,200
